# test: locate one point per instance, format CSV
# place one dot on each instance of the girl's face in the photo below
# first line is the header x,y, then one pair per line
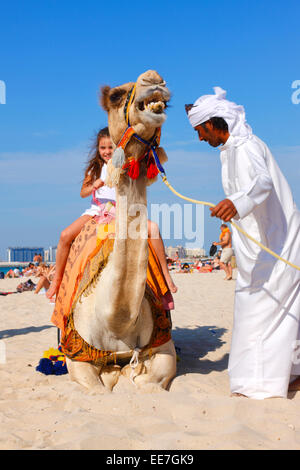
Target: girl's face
x,y
106,148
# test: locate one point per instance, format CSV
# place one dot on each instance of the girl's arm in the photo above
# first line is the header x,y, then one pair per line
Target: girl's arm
x,y
88,186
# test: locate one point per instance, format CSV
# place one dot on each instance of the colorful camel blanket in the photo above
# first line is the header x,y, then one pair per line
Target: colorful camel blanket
x,y
88,256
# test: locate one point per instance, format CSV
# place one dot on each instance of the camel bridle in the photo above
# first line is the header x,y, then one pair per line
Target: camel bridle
x,y
150,155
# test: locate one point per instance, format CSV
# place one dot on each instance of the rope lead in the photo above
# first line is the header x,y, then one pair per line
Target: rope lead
x,y
195,201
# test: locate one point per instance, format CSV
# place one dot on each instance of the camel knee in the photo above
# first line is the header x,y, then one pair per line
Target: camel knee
x,y
85,374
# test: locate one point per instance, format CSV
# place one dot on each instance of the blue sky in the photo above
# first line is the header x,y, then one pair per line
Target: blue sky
x,y
54,56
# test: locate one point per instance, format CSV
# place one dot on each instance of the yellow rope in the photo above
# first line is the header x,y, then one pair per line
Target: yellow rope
x,y
130,102
195,201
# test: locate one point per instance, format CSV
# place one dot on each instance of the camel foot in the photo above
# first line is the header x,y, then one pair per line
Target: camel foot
x,y
110,376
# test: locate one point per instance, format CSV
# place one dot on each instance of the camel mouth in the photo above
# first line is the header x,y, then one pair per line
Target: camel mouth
x,y
154,101
153,106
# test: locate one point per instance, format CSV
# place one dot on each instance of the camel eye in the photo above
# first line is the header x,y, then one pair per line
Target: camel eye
x,y
117,96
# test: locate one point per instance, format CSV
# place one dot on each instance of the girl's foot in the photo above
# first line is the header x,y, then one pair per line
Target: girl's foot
x,y
53,289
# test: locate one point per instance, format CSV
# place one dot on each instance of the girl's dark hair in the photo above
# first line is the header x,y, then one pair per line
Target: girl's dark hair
x,y
218,123
95,163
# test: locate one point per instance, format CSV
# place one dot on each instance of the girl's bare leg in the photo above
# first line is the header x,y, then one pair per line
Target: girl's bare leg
x,y
63,248
158,245
43,282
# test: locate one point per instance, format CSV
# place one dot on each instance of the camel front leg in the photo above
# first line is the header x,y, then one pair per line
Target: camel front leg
x,y
157,371
86,374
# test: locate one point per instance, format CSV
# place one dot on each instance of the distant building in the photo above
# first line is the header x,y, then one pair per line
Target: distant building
x,y
50,254
184,252
172,250
23,254
195,252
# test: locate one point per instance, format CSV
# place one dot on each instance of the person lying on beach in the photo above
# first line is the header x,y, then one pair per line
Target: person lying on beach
x,y
30,270
46,277
94,183
185,268
205,268
12,273
216,261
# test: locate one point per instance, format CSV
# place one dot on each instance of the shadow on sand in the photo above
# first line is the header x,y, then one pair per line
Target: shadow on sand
x,y
23,331
194,345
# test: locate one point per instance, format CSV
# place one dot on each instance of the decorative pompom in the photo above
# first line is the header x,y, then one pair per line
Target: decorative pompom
x,y
152,170
53,362
134,169
45,366
118,158
60,368
112,175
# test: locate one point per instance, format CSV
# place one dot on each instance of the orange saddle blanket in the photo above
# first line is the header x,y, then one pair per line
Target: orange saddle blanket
x,y
88,256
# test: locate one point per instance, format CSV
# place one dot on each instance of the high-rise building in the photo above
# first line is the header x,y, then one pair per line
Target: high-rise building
x,y
23,254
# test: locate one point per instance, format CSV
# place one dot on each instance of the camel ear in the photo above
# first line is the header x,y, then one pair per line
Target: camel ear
x,y
116,96
104,97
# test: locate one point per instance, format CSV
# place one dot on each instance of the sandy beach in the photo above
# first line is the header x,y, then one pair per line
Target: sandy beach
x,y
51,412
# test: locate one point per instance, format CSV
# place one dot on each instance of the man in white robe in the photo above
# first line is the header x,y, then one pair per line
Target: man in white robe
x,y
263,359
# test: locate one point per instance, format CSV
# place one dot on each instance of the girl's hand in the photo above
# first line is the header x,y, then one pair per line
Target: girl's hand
x,y
98,183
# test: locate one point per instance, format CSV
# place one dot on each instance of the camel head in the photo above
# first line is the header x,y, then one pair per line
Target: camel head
x,y
147,110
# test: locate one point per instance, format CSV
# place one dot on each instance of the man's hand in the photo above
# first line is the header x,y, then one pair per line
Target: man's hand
x,y
225,210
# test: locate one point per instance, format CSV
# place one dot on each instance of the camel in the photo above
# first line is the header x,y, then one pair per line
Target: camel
x,y
116,315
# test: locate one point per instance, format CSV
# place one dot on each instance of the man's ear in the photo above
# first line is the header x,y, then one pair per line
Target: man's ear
x,y
208,125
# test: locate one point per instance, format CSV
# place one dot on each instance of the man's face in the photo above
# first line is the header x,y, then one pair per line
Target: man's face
x,y
209,134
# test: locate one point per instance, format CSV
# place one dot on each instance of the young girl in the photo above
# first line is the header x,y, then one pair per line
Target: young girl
x,y
94,179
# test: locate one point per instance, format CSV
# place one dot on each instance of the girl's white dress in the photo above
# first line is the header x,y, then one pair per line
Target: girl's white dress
x,y
101,196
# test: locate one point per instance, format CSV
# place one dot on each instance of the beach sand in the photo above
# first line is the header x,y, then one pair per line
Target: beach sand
x,y
51,412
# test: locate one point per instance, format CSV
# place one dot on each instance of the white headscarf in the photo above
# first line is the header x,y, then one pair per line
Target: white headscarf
x,y
208,106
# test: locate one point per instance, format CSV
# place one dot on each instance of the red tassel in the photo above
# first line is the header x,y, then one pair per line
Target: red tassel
x,y
134,169
152,170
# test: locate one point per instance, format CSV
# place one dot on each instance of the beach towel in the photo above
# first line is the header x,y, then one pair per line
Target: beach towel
x,y
88,257
26,286
6,293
